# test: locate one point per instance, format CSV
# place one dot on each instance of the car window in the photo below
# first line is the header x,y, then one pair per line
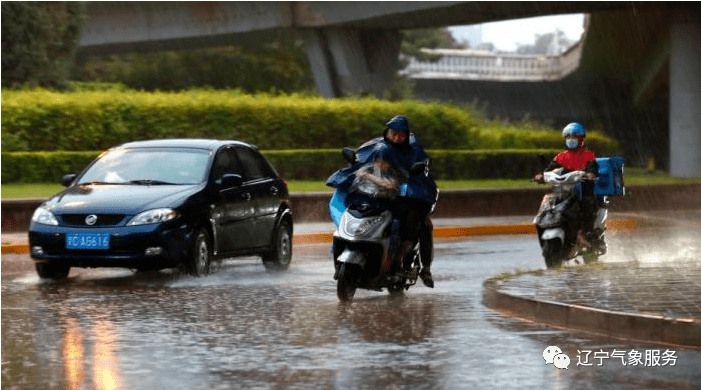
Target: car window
x,y
149,165
226,162
253,164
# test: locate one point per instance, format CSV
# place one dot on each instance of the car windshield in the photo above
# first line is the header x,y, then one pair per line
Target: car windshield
x,y
149,166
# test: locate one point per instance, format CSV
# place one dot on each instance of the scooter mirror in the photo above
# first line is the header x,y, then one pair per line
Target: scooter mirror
x,y
419,168
349,155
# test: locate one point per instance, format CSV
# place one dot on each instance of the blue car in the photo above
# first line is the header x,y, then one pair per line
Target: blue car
x,y
158,204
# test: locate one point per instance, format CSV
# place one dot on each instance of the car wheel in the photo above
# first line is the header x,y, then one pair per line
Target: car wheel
x,y
201,254
279,258
52,271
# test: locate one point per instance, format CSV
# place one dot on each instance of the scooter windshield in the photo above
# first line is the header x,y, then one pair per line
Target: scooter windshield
x,y
376,181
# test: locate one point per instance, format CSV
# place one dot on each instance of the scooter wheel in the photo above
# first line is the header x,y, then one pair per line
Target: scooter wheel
x,y
552,252
346,285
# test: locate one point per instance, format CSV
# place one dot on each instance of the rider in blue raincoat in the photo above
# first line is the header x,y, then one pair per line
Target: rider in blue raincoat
x,y
394,154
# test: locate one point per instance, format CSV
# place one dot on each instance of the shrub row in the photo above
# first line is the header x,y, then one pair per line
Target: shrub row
x,y
311,164
96,120
41,120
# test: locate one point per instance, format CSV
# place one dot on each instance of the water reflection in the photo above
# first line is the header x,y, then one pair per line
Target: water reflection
x,y
73,355
397,334
78,350
389,319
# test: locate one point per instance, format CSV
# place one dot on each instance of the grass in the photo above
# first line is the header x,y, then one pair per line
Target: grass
x,y
633,176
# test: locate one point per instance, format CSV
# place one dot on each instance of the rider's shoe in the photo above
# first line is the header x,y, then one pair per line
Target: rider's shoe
x,y
426,277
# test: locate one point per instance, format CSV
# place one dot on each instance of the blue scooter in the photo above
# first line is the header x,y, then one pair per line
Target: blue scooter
x,y
366,237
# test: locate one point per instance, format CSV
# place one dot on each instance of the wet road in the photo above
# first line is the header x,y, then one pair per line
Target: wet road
x,y
244,328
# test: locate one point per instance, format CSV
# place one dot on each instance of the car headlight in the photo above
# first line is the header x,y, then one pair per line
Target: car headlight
x,y
44,217
153,216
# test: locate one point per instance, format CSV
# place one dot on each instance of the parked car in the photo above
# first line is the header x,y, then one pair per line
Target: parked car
x,y
150,205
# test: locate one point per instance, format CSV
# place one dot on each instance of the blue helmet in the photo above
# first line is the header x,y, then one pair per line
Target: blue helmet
x,y
398,123
574,128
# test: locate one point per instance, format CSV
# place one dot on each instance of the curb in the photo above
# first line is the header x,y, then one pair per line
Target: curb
x,y
441,232
15,248
642,327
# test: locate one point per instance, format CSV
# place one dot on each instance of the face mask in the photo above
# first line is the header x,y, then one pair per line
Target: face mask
x,y
571,143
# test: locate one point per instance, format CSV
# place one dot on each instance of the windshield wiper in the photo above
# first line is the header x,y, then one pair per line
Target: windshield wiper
x,y
102,183
149,182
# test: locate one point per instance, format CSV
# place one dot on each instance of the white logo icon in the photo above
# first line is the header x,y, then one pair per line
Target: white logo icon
x,y
91,219
561,361
550,353
553,355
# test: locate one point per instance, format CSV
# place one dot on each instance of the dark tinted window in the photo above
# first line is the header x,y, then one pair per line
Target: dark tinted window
x,y
226,162
253,164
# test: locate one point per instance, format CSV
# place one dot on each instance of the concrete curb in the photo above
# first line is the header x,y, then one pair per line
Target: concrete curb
x,y
443,232
641,327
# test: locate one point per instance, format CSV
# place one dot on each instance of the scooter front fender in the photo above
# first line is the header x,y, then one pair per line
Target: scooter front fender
x,y
549,234
352,257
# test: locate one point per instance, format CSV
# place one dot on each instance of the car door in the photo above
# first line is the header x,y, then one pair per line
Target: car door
x,y
261,181
235,210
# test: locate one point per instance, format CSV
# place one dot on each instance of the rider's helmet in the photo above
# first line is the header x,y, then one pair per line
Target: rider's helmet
x,y
576,129
398,123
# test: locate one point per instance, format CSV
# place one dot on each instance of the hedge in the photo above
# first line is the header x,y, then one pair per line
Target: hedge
x,y
40,120
312,164
95,120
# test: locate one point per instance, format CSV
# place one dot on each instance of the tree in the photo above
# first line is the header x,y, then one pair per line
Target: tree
x,y
279,65
39,41
553,43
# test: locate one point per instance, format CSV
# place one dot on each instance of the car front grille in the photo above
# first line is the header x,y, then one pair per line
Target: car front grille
x,y
102,219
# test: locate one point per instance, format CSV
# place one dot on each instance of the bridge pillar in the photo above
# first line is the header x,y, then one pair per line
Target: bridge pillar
x,y
352,62
685,98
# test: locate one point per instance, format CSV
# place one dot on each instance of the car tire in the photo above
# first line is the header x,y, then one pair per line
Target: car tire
x,y
280,257
52,271
201,254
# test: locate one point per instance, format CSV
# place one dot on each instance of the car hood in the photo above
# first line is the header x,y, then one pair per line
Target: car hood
x,y
118,199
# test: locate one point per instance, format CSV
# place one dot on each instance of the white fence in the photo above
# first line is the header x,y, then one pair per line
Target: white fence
x,y
474,65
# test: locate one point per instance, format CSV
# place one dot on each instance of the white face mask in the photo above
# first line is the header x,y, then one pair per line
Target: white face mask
x,y
571,143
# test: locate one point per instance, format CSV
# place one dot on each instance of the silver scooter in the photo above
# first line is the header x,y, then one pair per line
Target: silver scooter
x,y
558,221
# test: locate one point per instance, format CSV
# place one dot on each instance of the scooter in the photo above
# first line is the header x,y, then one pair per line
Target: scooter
x,y
364,241
558,220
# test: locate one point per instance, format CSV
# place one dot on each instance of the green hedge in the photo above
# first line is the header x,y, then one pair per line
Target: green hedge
x,y
41,120
96,120
312,164
42,167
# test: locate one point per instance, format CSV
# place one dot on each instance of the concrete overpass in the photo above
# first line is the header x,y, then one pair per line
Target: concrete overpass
x,y
640,63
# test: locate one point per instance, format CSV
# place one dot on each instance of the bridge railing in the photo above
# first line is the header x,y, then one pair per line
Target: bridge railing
x,y
479,65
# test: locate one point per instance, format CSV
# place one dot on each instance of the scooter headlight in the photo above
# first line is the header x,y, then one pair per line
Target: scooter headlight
x,y
361,227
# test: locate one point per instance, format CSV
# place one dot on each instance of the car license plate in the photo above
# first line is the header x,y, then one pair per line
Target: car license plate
x,y
87,241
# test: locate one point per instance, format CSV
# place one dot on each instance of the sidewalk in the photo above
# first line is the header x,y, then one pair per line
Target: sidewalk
x,y
651,303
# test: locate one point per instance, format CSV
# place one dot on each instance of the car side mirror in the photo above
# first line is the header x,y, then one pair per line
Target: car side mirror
x,y
67,180
349,155
230,180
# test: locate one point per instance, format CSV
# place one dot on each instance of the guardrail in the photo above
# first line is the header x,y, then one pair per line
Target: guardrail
x,y
479,65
